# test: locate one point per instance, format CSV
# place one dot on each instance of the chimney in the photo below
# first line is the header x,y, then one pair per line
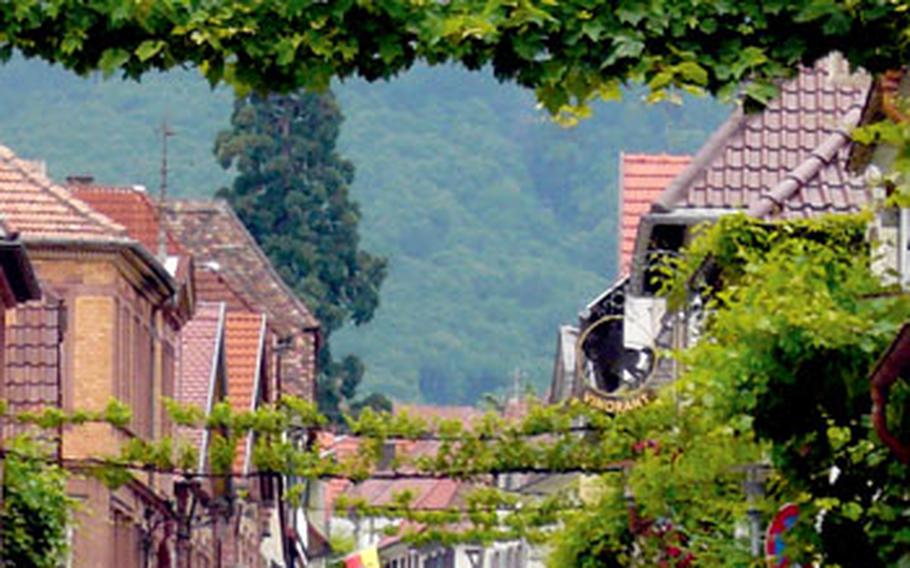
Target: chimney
x,y
387,456
81,179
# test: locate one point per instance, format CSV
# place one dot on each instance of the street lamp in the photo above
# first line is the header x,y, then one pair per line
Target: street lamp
x,y
755,490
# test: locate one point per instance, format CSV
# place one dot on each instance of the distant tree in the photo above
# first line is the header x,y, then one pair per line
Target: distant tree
x,y
291,191
374,401
438,382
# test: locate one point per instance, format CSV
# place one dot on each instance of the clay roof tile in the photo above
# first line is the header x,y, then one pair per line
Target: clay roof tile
x,y
199,349
129,206
42,210
244,343
781,154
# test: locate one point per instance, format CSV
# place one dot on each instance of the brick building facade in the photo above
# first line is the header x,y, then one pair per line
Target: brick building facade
x,y
118,328
268,346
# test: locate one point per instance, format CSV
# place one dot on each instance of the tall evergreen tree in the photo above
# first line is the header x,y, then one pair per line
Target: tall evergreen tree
x,y
291,191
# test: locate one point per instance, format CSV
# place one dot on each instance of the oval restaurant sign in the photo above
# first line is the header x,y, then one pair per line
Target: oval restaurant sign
x,y
616,368
634,389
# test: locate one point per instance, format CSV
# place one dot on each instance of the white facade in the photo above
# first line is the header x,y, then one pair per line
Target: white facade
x,y
513,554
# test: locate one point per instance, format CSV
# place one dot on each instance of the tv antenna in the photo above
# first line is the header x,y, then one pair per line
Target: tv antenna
x,y
166,132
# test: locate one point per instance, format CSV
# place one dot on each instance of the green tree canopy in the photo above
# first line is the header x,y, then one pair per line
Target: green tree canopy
x,y
569,52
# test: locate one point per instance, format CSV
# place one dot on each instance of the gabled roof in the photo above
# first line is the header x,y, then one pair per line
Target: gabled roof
x,y
642,179
215,236
129,206
427,495
201,344
789,160
244,343
343,447
44,211
47,215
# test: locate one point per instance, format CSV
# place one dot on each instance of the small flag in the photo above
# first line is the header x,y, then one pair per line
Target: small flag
x,y
367,558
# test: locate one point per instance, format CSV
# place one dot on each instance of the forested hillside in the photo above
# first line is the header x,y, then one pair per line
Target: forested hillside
x,y
497,223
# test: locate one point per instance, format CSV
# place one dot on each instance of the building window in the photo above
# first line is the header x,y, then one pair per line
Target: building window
x,y
144,402
134,385
167,385
126,541
665,240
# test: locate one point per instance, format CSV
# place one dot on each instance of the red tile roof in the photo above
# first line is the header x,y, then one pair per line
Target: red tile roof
x,y
345,447
413,449
130,206
642,179
466,414
42,210
789,160
331,490
213,233
426,493
244,342
342,447
199,349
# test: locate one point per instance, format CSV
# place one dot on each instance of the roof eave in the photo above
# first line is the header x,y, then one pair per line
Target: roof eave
x,y
305,312
133,252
